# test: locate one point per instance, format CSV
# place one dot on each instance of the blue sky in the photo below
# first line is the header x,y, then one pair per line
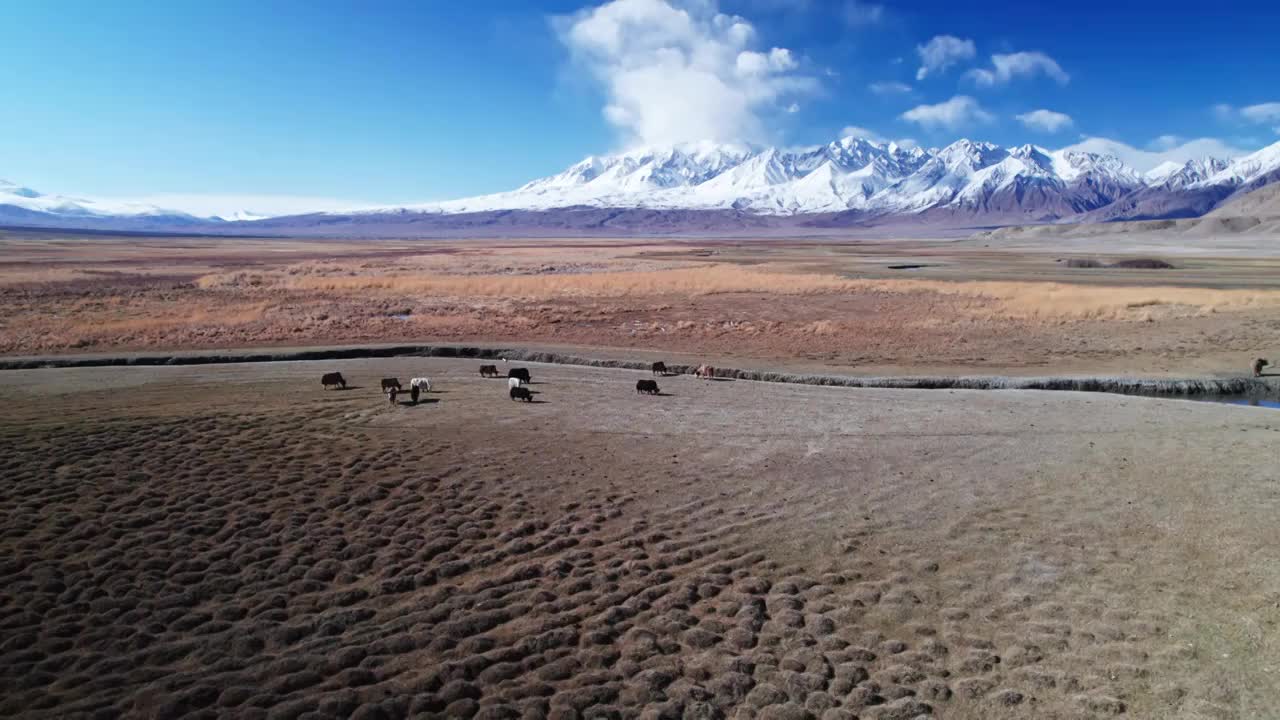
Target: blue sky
x,y
416,101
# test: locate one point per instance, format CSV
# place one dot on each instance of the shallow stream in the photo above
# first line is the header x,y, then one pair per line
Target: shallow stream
x,y
1252,400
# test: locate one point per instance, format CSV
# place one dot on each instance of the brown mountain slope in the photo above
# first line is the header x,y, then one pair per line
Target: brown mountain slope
x,y
1261,203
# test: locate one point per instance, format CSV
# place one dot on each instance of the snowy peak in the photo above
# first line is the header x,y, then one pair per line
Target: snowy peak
x,y
1248,168
1189,173
964,157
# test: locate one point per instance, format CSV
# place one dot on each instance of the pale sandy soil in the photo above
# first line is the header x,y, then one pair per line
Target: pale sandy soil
x,y
234,541
834,307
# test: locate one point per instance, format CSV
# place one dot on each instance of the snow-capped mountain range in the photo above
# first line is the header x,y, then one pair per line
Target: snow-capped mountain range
x,y
25,198
854,174
19,203
966,183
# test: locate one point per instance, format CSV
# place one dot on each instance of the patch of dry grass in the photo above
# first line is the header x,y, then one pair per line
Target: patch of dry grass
x,y
1047,301
1063,301
680,281
213,315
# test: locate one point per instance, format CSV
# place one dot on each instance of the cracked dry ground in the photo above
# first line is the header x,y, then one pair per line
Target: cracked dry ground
x,y
233,542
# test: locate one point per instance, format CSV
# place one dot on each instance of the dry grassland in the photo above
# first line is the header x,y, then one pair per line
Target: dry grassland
x,y
1010,300
790,304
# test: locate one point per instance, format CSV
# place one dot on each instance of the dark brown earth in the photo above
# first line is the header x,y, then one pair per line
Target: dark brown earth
x,y
234,541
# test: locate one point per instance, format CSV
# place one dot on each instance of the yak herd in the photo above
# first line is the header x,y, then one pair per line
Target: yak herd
x,y
517,379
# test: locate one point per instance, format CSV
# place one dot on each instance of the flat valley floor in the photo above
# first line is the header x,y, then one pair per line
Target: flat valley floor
x,y
887,307
234,541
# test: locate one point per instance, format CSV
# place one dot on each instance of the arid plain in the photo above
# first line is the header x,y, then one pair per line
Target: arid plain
x,y
957,306
234,541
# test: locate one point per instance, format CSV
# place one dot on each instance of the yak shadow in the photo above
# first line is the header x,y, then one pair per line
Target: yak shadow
x,y
347,388
665,394
719,379
1269,374
421,401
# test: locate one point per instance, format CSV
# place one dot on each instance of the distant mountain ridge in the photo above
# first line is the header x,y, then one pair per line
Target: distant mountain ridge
x,y
701,186
964,181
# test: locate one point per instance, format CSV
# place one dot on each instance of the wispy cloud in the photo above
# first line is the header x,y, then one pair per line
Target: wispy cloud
x,y
1161,152
1165,142
1007,67
858,14
1267,113
958,112
1260,114
861,132
873,136
889,88
1045,120
673,74
942,52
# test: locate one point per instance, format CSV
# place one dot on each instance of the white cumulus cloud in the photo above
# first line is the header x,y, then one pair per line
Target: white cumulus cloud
x,y
942,52
1045,120
889,88
1007,67
675,74
958,112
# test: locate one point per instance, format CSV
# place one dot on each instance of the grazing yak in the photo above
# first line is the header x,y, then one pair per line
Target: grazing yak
x,y
521,373
1258,365
705,371
647,386
488,371
391,394
388,383
420,383
521,393
659,368
333,379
